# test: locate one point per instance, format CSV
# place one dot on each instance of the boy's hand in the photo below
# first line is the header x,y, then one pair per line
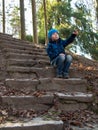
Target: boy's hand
x,y
75,32
62,54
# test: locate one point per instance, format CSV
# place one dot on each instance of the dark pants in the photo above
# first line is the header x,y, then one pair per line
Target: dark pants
x,y
62,63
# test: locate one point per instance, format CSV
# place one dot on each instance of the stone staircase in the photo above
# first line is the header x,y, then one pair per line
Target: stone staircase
x,y
30,80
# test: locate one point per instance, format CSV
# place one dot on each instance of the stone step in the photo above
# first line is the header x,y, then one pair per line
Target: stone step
x,y
21,47
2,75
27,62
34,72
35,51
19,42
35,124
88,127
63,101
73,101
48,84
30,72
25,56
13,41
38,104
4,35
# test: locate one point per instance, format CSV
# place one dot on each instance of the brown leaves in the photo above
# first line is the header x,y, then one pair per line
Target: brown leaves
x,y
5,91
14,115
76,123
39,93
3,115
15,92
78,118
24,113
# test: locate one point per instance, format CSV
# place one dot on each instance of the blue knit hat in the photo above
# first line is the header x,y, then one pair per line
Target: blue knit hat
x,y
52,31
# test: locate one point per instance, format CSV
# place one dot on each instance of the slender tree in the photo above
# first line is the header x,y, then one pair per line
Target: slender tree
x,y
34,20
97,13
3,2
22,19
45,19
15,22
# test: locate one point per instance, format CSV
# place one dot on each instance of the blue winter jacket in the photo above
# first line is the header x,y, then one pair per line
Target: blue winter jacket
x,y
54,48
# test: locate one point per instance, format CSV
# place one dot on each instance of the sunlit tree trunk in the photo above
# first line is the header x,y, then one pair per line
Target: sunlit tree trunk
x,y
34,20
58,17
97,13
45,18
3,2
22,19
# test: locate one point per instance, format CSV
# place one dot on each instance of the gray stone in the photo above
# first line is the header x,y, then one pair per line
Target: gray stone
x,y
94,127
78,97
19,84
29,102
57,84
14,50
26,62
25,56
71,106
18,42
36,124
8,44
54,84
73,101
27,72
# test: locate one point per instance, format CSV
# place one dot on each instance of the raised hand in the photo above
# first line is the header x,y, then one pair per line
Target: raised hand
x,y
75,32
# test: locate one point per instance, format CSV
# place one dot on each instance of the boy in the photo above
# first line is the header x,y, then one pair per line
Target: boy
x,y
56,52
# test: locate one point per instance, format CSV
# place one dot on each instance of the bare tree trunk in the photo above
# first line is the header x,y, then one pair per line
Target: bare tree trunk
x,y
97,13
22,19
45,18
3,2
34,20
58,18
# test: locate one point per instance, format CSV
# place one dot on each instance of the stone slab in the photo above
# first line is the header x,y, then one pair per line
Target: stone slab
x,y
40,103
26,72
34,51
78,97
6,44
19,84
68,85
25,56
49,84
27,62
36,124
71,106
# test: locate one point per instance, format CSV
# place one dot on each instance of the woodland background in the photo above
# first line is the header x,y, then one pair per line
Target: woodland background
x,y
64,15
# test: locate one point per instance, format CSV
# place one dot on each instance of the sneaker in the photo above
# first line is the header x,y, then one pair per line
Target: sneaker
x,y
66,76
59,76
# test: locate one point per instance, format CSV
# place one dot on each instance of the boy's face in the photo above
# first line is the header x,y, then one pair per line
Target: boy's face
x,y
55,36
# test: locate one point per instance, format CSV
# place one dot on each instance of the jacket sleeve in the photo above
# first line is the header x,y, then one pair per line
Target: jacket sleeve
x,y
69,40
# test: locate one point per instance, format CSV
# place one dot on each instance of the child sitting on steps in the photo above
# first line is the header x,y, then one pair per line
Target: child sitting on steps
x,y
56,52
